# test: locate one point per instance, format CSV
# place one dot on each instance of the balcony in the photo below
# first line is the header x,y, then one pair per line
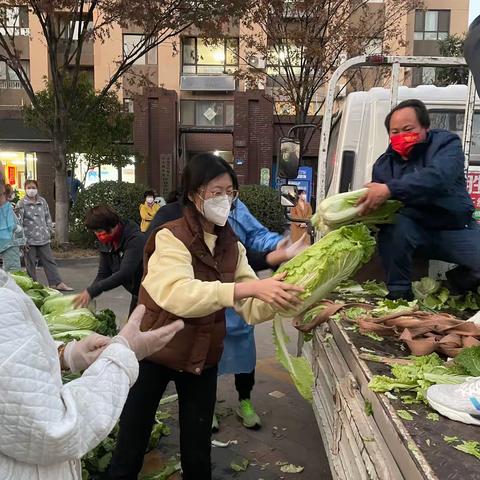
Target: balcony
x,y
15,31
10,85
207,83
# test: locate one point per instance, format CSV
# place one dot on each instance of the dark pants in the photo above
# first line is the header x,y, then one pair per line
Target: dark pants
x,y
196,399
244,383
398,242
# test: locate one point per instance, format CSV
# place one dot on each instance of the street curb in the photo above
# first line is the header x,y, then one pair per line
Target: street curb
x,y
76,260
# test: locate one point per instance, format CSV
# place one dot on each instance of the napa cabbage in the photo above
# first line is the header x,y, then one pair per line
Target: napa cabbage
x,y
341,209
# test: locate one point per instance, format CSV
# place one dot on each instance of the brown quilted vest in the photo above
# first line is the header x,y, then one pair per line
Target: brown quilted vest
x,y
200,343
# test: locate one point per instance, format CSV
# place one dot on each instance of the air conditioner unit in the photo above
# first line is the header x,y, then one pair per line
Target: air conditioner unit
x,y
257,62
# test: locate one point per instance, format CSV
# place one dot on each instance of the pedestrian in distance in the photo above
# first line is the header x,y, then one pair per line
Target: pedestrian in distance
x,y
11,232
194,269
36,221
148,209
121,255
74,186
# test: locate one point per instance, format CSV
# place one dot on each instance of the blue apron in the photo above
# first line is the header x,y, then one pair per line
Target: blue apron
x,y
239,353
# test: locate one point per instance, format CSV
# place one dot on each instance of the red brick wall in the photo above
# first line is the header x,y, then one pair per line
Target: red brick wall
x,y
253,135
155,138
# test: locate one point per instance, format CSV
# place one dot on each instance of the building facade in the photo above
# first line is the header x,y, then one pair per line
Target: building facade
x,y
193,103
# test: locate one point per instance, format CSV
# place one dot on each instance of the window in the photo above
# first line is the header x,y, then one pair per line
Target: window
x,y
432,24
133,43
15,21
9,78
72,29
206,113
453,121
283,59
200,57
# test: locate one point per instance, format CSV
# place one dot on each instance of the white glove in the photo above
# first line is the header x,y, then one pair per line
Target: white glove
x,y
297,247
78,356
144,344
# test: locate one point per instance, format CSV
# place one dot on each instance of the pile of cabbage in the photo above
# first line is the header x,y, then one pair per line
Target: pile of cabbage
x,y
65,323
340,210
319,270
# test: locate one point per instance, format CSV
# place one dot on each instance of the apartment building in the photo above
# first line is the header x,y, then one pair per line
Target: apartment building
x,y
193,102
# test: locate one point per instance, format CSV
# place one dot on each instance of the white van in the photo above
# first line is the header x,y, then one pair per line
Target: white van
x,y
358,135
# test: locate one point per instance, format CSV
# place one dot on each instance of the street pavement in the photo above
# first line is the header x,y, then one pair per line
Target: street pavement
x,y
289,433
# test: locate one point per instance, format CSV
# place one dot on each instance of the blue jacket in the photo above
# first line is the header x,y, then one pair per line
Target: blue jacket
x,y
431,183
251,233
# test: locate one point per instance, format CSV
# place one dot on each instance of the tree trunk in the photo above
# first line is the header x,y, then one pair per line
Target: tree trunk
x,y
62,197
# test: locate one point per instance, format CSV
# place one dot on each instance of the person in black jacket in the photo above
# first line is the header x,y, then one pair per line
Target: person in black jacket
x,y
424,169
121,254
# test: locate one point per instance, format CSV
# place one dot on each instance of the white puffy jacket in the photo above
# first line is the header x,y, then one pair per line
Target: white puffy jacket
x,y
46,427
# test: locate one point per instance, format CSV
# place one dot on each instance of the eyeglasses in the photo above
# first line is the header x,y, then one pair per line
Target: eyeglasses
x,y
232,194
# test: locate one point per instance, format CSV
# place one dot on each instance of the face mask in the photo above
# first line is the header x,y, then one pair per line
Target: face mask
x,y
149,200
109,238
217,209
403,143
32,192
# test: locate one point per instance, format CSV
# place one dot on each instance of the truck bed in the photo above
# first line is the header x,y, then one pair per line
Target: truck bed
x,y
382,445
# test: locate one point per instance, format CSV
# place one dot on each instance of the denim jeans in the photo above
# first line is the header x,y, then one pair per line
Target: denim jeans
x,y
398,242
11,259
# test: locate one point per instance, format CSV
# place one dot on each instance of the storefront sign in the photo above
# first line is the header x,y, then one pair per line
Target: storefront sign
x,y
12,175
304,181
473,186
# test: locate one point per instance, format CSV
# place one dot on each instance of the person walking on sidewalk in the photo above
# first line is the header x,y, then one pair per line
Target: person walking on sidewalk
x,y
121,255
194,269
37,224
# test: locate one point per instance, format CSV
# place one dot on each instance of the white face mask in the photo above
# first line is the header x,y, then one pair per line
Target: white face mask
x,y
217,209
32,192
149,200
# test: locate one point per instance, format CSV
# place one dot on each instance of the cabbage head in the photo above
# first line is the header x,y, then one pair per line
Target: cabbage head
x,y
80,319
58,304
341,209
324,265
22,280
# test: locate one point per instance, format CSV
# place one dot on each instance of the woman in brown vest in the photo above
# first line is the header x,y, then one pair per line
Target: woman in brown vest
x,y
194,269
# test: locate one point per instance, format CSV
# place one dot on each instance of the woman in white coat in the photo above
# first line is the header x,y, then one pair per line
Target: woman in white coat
x,y
46,427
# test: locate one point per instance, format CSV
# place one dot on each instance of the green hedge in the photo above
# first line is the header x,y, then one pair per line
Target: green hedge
x,y
264,203
124,197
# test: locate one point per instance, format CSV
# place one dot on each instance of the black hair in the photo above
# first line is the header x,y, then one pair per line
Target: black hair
x,y
301,191
101,217
202,169
420,110
69,173
149,193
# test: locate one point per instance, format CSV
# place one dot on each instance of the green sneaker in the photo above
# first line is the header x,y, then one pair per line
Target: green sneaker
x,y
247,413
215,426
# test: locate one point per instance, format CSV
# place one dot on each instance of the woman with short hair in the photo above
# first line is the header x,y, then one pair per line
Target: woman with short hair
x,y
121,254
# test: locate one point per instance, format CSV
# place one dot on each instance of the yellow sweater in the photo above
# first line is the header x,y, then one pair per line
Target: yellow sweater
x,y
147,213
171,283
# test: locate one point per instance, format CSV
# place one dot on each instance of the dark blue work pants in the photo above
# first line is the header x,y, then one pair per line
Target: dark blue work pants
x,y
398,242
